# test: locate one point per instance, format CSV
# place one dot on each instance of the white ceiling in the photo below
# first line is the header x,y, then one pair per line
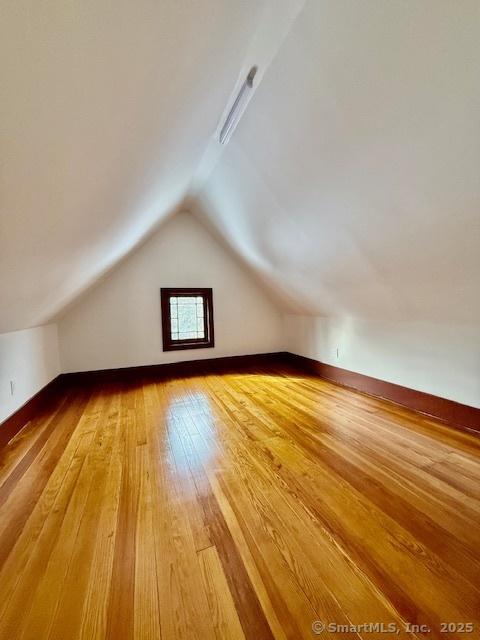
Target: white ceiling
x,y
351,186
106,107
352,182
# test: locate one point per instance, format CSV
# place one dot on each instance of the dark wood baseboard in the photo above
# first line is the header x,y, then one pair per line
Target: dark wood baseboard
x,y
43,400
183,368
448,411
453,413
38,404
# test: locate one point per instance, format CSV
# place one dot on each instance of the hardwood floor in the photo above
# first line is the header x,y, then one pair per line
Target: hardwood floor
x,y
237,506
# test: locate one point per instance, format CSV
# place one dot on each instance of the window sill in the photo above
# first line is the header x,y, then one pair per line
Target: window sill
x,y
188,345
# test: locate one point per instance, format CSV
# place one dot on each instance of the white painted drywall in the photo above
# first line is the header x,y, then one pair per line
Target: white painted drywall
x,y
118,322
106,108
440,359
30,359
351,182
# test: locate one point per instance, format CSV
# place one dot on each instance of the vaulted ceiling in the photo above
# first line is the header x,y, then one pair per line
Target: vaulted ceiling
x,y
350,187
353,180
105,111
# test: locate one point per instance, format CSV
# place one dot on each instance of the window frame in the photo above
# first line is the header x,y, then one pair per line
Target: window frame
x,y
191,343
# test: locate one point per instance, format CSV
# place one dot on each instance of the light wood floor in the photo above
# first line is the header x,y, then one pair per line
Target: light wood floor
x,y
236,506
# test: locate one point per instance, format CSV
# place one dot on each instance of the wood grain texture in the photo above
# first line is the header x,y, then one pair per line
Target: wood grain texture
x,y
40,403
453,413
239,505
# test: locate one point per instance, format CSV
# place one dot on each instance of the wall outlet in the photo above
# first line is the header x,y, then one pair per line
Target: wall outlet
x,y
12,387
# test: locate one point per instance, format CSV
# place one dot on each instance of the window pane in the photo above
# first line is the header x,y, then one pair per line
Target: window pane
x,y
187,317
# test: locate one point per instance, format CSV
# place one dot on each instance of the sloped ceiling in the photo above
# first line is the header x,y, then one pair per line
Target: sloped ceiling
x,y
105,110
351,186
352,182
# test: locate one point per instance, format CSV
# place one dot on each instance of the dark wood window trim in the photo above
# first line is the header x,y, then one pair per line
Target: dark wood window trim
x,y
194,343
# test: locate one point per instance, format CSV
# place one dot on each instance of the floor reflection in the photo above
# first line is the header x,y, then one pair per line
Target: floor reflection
x,y
190,432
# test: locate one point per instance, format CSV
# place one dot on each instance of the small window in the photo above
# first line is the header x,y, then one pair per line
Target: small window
x,y
187,319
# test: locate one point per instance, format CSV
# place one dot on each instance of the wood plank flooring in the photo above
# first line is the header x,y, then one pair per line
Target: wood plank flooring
x,y
237,506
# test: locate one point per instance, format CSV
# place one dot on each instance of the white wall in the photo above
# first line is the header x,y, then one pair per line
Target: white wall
x,y
118,323
438,359
29,358
351,182
109,108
